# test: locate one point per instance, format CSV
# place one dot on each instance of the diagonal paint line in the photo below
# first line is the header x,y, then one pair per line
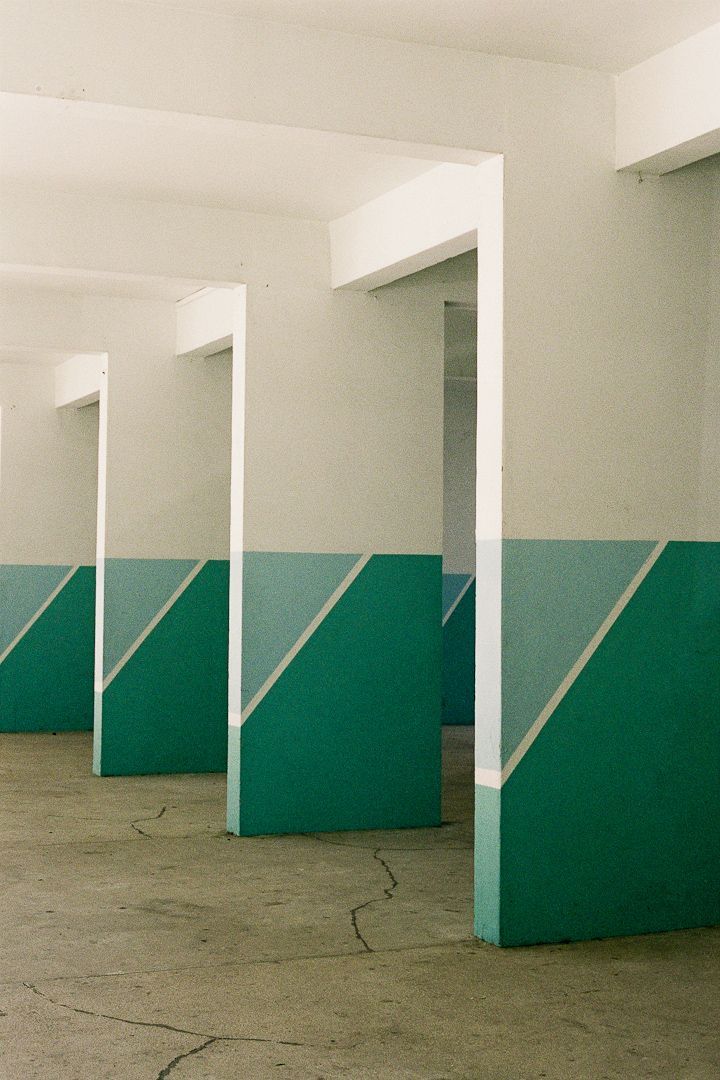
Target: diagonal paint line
x,y
305,636
153,622
519,753
43,608
458,598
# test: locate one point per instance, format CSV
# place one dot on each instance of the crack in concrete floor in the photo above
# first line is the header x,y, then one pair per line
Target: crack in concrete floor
x,y
389,895
155,817
182,1057
436,1005
158,1024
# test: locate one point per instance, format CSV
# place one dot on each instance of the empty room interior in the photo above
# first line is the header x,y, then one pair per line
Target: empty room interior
x,y
359,540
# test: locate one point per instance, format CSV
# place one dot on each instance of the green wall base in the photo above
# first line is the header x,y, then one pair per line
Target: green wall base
x,y
46,681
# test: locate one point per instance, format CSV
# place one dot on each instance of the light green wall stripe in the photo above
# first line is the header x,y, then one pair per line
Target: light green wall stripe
x,y
487,864
233,780
452,586
135,590
556,594
282,594
23,591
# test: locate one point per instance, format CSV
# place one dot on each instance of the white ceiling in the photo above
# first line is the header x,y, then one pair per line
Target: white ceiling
x,y
75,146
610,35
28,281
32,357
84,283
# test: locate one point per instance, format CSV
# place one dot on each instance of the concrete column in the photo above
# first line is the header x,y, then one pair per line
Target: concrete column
x,y
48,485
335,676
162,613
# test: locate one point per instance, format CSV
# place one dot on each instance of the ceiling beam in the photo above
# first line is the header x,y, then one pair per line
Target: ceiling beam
x,y
668,108
416,225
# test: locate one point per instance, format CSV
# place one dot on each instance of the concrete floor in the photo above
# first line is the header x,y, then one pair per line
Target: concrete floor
x,y
138,941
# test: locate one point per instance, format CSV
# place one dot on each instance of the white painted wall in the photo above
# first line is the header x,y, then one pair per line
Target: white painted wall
x,y
605,319
344,406
459,441
709,490
605,326
48,471
168,419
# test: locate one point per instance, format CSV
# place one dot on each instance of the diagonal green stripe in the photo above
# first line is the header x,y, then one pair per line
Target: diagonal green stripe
x,y
23,591
135,590
166,709
46,682
556,594
282,594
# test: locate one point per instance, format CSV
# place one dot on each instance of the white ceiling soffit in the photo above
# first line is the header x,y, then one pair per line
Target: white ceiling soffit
x,y
609,35
31,357
96,283
140,154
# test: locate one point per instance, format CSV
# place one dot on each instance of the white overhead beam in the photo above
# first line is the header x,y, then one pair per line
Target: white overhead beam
x,y
668,108
204,64
416,225
79,379
132,238
205,323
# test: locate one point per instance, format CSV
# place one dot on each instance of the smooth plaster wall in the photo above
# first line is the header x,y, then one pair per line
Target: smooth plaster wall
x,y
344,414
48,471
709,488
459,444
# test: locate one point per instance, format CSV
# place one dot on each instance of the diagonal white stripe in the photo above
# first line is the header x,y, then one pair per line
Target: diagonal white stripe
x,y
58,589
519,753
305,636
458,598
153,623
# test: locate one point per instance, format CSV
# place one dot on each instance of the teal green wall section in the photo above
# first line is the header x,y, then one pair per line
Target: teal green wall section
x,y
349,735
487,864
556,594
233,780
611,820
135,590
23,591
166,709
452,586
46,681
283,591
458,662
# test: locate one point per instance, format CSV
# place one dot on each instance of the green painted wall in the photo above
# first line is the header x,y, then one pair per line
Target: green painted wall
x,y
610,823
349,735
166,709
458,657
46,680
